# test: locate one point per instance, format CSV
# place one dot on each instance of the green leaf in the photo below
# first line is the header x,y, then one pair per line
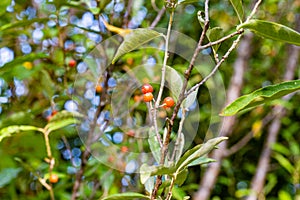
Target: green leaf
x,y
149,185
127,195
7,175
181,177
23,23
20,60
284,162
283,195
65,114
198,151
145,172
134,40
190,99
46,83
273,31
58,57
154,144
148,171
238,8
52,126
10,130
179,146
261,96
3,5
201,161
215,34
174,80
187,1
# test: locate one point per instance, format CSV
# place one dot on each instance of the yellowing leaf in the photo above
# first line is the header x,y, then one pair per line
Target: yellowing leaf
x,y
256,128
115,29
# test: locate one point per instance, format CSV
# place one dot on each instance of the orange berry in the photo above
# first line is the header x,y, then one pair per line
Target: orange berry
x,y
110,159
147,88
131,133
53,178
54,112
148,97
72,63
168,102
124,149
99,89
129,61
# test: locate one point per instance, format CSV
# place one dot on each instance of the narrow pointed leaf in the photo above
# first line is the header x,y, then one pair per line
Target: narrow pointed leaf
x,y
197,152
187,1
261,96
52,126
21,24
7,175
135,39
65,114
201,161
181,177
154,145
238,8
174,80
148,171
215,34
21,60
273,31
125,196
145,172
10,130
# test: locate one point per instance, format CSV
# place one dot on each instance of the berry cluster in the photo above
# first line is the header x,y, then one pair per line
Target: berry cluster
x,y
147,90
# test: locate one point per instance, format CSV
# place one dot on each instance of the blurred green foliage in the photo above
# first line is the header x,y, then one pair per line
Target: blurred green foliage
x,y
49,34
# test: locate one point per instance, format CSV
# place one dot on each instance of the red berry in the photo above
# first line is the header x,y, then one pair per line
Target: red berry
x,y
147,88
72,63
148,97
168,102
53,178
124,149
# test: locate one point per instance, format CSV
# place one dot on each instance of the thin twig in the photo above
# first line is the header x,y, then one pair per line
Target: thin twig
x,y
157,103
238,32
179,132
254,10
166,56
164,150
233,46
158,17
154,6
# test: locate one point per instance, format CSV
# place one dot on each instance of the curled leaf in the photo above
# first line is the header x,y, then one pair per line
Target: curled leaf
x,y
261,96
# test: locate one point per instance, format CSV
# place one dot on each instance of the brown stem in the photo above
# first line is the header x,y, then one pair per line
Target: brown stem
x,y
158,17
181,97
